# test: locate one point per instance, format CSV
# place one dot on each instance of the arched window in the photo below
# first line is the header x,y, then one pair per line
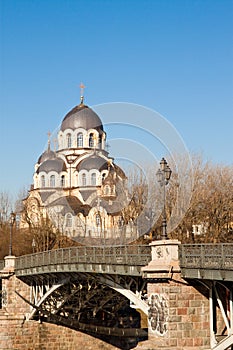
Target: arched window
x,y
42,181
69,220
80,140
93,179
91,140
69,140
97,219
84,180
63,181
52,181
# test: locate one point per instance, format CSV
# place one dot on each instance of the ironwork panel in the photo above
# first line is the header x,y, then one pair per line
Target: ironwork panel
x,y
115,258
209,261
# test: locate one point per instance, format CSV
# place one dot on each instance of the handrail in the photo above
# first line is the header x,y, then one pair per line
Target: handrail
x,y
115,255
206,256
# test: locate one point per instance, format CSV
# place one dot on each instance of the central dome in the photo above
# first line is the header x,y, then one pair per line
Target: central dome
x,y
82,116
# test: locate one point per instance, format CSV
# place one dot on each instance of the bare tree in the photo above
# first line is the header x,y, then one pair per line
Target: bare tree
x,y
199,201
211,204
44,235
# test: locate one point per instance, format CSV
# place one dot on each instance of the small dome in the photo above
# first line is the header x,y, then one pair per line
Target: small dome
x,y
55,164
82,116
48,154
93,162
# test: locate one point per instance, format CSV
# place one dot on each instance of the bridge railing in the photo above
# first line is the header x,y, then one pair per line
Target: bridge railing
x,y
206,256
115,255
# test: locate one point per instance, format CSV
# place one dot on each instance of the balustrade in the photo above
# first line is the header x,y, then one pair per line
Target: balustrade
x,y
123,255
206,256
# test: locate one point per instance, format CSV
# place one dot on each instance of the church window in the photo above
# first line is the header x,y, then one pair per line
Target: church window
x,y
91,140
84,180
63,181
52,181
42,181
93,179
69,141
100,142
98,220
80,139
68,220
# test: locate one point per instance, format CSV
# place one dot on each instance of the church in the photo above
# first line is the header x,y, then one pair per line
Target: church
x,y
78,186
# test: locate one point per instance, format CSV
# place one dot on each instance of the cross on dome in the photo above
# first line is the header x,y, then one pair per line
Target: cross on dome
x,y
82,87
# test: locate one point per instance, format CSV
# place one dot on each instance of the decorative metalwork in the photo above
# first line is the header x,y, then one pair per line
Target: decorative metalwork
x,y
95,289
134,255
98,303
206,256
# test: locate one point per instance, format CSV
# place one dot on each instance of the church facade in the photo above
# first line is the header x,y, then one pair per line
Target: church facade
x,y
78,186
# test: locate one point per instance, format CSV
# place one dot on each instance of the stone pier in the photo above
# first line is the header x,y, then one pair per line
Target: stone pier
x,y
179,312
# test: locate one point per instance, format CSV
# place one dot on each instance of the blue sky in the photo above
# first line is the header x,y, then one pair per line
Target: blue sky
x,y
172,56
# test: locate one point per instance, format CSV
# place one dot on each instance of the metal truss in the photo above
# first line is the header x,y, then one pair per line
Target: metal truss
x,y
100,303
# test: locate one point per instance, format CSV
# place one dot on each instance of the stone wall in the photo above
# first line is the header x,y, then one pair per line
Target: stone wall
x,y
182,317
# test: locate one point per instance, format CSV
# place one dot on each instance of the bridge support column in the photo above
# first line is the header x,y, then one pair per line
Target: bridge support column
x,y
178,316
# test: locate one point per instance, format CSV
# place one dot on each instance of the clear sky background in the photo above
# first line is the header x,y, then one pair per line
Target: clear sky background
x,y
173,56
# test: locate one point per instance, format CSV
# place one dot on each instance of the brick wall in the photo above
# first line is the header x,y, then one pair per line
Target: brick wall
x,y
32,335
186,317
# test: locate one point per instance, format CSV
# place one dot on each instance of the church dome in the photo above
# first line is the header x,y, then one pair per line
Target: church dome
x,y
55,164
93,162
82,116
48,154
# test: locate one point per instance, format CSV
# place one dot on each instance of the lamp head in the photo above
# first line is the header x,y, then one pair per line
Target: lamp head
x,y
12,218
168,173
163,164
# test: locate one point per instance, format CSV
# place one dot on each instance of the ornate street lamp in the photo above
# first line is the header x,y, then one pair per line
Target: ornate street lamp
x,y
163,177
12,221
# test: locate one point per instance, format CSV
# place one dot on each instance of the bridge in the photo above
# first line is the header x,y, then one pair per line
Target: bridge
x,y
109,292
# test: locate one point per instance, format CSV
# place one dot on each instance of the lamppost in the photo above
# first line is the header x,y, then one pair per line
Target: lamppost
x,y
163,177
12,221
